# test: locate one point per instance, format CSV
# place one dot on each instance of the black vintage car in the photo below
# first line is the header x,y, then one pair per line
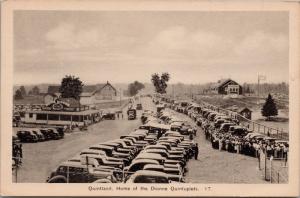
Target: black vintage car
x,y
139,106
109,115
50,134
27,136
76,172
131,114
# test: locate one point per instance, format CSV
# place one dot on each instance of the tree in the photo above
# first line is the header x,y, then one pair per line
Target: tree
x,y
35,90
71,87
160,83
269,109
23,90
18,95
134,87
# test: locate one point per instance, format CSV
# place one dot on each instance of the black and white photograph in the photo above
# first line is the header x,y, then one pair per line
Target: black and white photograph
x,y
137,97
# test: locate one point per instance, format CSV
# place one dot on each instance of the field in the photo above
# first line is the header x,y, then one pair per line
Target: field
x,y
113,104
30,100
281,122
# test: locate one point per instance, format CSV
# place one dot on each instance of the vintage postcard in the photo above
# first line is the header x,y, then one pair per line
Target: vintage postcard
x,y
153,98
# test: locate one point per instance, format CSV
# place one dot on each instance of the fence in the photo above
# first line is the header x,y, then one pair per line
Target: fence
x,y
274,170
251,125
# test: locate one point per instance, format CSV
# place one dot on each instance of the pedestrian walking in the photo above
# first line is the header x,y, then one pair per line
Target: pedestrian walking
x,y
21,151
191,136
196,151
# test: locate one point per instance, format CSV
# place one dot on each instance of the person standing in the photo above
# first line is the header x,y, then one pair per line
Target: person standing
x,y
196,151
220,143
191,137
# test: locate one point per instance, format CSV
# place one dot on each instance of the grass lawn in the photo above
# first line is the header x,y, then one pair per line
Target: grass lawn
x,y
30,100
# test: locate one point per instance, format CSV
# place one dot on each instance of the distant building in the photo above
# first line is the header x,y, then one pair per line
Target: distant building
x,y
243,111
226,87
91,94
98,94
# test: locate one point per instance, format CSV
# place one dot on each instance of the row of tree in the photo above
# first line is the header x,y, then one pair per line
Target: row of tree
x,y
71,87
21,92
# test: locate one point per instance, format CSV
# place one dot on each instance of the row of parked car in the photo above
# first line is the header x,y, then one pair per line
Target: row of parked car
x,y
226,133
150,154
27,135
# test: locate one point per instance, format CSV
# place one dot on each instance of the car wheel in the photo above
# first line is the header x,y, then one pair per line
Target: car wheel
x,y
58,179
102,181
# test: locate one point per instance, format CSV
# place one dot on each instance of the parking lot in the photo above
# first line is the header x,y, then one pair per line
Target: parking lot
x,y
212,165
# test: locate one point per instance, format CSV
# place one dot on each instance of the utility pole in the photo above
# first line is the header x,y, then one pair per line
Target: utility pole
x,y
120,97
259,78
173,91
258,86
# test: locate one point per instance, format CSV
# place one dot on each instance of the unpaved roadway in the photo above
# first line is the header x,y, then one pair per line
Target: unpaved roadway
x,y
41,158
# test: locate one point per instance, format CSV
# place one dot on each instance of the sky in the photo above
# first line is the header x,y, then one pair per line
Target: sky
x,y
124,46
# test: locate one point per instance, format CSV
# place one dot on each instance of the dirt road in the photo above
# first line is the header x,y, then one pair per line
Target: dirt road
x,y
41,158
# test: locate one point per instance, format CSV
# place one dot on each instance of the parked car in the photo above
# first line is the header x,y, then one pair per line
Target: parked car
x,y
161,168
110,152
131,113
27,136
147,176
103,153
104,161
50,134
75,172
139,106
108,115
38,133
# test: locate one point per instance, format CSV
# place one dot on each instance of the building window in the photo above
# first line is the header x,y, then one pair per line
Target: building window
x,y
75,118
53,117
31,115
65,117
41,116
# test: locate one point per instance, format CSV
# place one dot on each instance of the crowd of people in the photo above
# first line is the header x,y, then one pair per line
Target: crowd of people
x,y
241,144
17,153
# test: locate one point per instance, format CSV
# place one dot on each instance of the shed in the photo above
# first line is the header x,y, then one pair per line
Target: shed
x,y
245,112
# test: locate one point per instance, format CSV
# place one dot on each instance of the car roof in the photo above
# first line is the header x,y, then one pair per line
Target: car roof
x,y
154,150
153,166
149,173
149,156
92,151
144,161
73,163
155,146
101,146
109,143
141,130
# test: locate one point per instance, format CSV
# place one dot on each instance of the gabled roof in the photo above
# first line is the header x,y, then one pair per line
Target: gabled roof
x,y
90,90
107,84
221,83
87,90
